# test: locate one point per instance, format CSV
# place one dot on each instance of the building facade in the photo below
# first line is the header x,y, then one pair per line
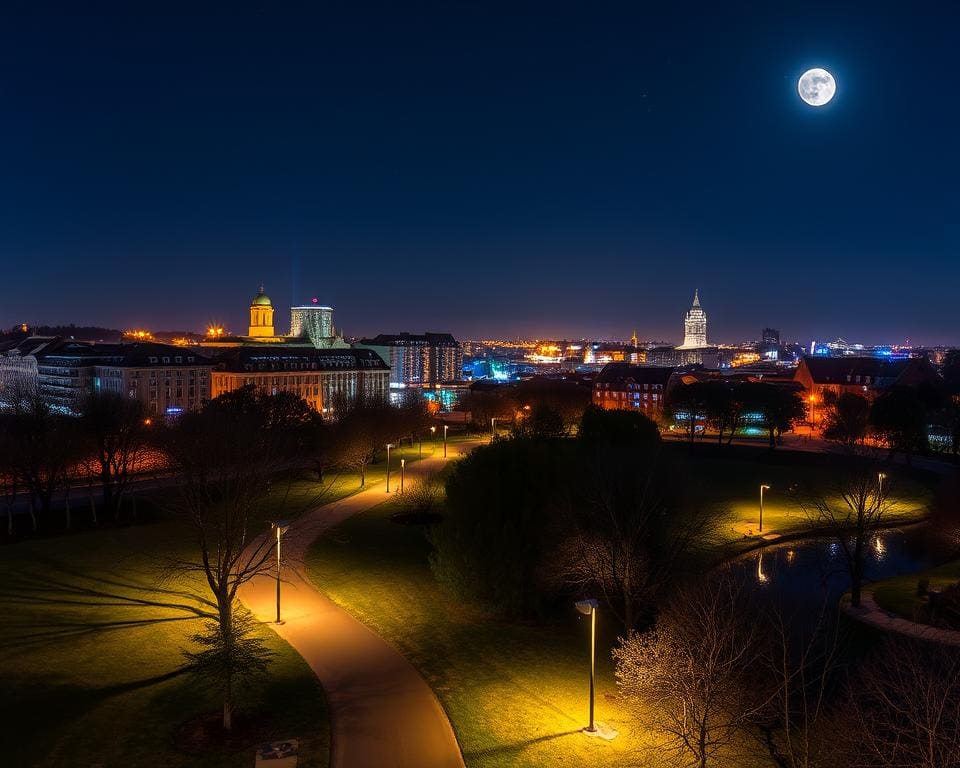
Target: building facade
x,y
325,378
625,387
825,378
769,348
418,360
167,379
313,322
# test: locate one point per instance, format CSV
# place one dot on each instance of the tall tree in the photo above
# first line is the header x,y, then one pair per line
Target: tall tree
x,y
779,408
628,525
687,404
117,434
852,509
847,419
899,417
229,456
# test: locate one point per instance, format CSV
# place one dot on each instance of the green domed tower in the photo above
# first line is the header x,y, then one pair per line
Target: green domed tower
x,y
261,315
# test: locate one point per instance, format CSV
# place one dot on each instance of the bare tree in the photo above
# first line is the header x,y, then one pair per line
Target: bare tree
x,y
229,457
801,670
904,708
629,527
852,509
117,434
689,677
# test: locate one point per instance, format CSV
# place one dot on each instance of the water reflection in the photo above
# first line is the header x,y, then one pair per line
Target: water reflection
x,y
800,577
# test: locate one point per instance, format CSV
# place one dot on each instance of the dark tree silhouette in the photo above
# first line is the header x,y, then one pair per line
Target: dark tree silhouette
x,y
847,419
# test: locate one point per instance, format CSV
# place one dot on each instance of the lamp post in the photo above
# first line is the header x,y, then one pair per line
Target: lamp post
x,y
493,427
762,489
280,526
589,608
881,476
403,463
389,446
445,427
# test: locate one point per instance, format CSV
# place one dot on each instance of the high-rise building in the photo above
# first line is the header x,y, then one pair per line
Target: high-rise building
x,y
769,348
261,315
423,360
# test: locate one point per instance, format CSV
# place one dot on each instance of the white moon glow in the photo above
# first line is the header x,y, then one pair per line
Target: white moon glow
x,y
816,87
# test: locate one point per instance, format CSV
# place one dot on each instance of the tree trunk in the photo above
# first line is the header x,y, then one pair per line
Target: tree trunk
x,y
856,573
33,512
93,506
773,439
363,477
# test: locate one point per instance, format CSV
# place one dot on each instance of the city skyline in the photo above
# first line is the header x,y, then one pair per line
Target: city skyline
x,y
419,168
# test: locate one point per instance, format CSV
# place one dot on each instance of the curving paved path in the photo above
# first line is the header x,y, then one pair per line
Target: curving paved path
x,y
383,714
871,613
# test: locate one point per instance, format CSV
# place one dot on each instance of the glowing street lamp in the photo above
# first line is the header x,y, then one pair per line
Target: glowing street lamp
x,y
280,526
403,463
589,608
493,427
762,489
389,446
445,428
881,476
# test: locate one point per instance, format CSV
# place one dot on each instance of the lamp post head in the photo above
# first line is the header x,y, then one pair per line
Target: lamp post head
x,y
588,606
403,462
390,445
433,429
764,487
882,475
279,525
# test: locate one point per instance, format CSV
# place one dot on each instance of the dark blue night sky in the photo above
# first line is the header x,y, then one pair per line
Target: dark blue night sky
x,y
553,168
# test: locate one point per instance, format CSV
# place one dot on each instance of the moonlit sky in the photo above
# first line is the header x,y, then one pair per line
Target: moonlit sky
x,y
556,169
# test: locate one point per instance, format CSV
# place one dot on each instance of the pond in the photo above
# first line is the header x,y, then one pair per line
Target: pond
x,y
799,576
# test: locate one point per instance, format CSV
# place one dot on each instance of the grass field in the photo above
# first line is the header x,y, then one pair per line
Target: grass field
x,y
516,695
729,481
899,595
91,640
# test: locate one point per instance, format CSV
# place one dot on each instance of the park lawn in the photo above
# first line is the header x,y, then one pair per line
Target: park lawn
x,y
91,639
729,480
516,695
899,594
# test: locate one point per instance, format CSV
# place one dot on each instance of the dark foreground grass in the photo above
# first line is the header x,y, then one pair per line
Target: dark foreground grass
x,y
91,637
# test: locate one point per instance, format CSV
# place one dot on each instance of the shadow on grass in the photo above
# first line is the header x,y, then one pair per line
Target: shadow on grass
x,y
38,706
67,604
517,746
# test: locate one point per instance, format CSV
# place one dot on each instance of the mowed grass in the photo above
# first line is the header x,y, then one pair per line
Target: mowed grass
x,y
728,480
92,629
899,595
516,695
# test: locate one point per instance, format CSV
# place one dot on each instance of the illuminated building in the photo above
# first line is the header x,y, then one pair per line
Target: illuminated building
x,y
314,322
625,387
694,332
166,379
831,377
695,325
325,378
423,360
261,316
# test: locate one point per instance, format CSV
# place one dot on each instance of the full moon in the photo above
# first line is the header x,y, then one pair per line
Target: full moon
x,y
816,87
